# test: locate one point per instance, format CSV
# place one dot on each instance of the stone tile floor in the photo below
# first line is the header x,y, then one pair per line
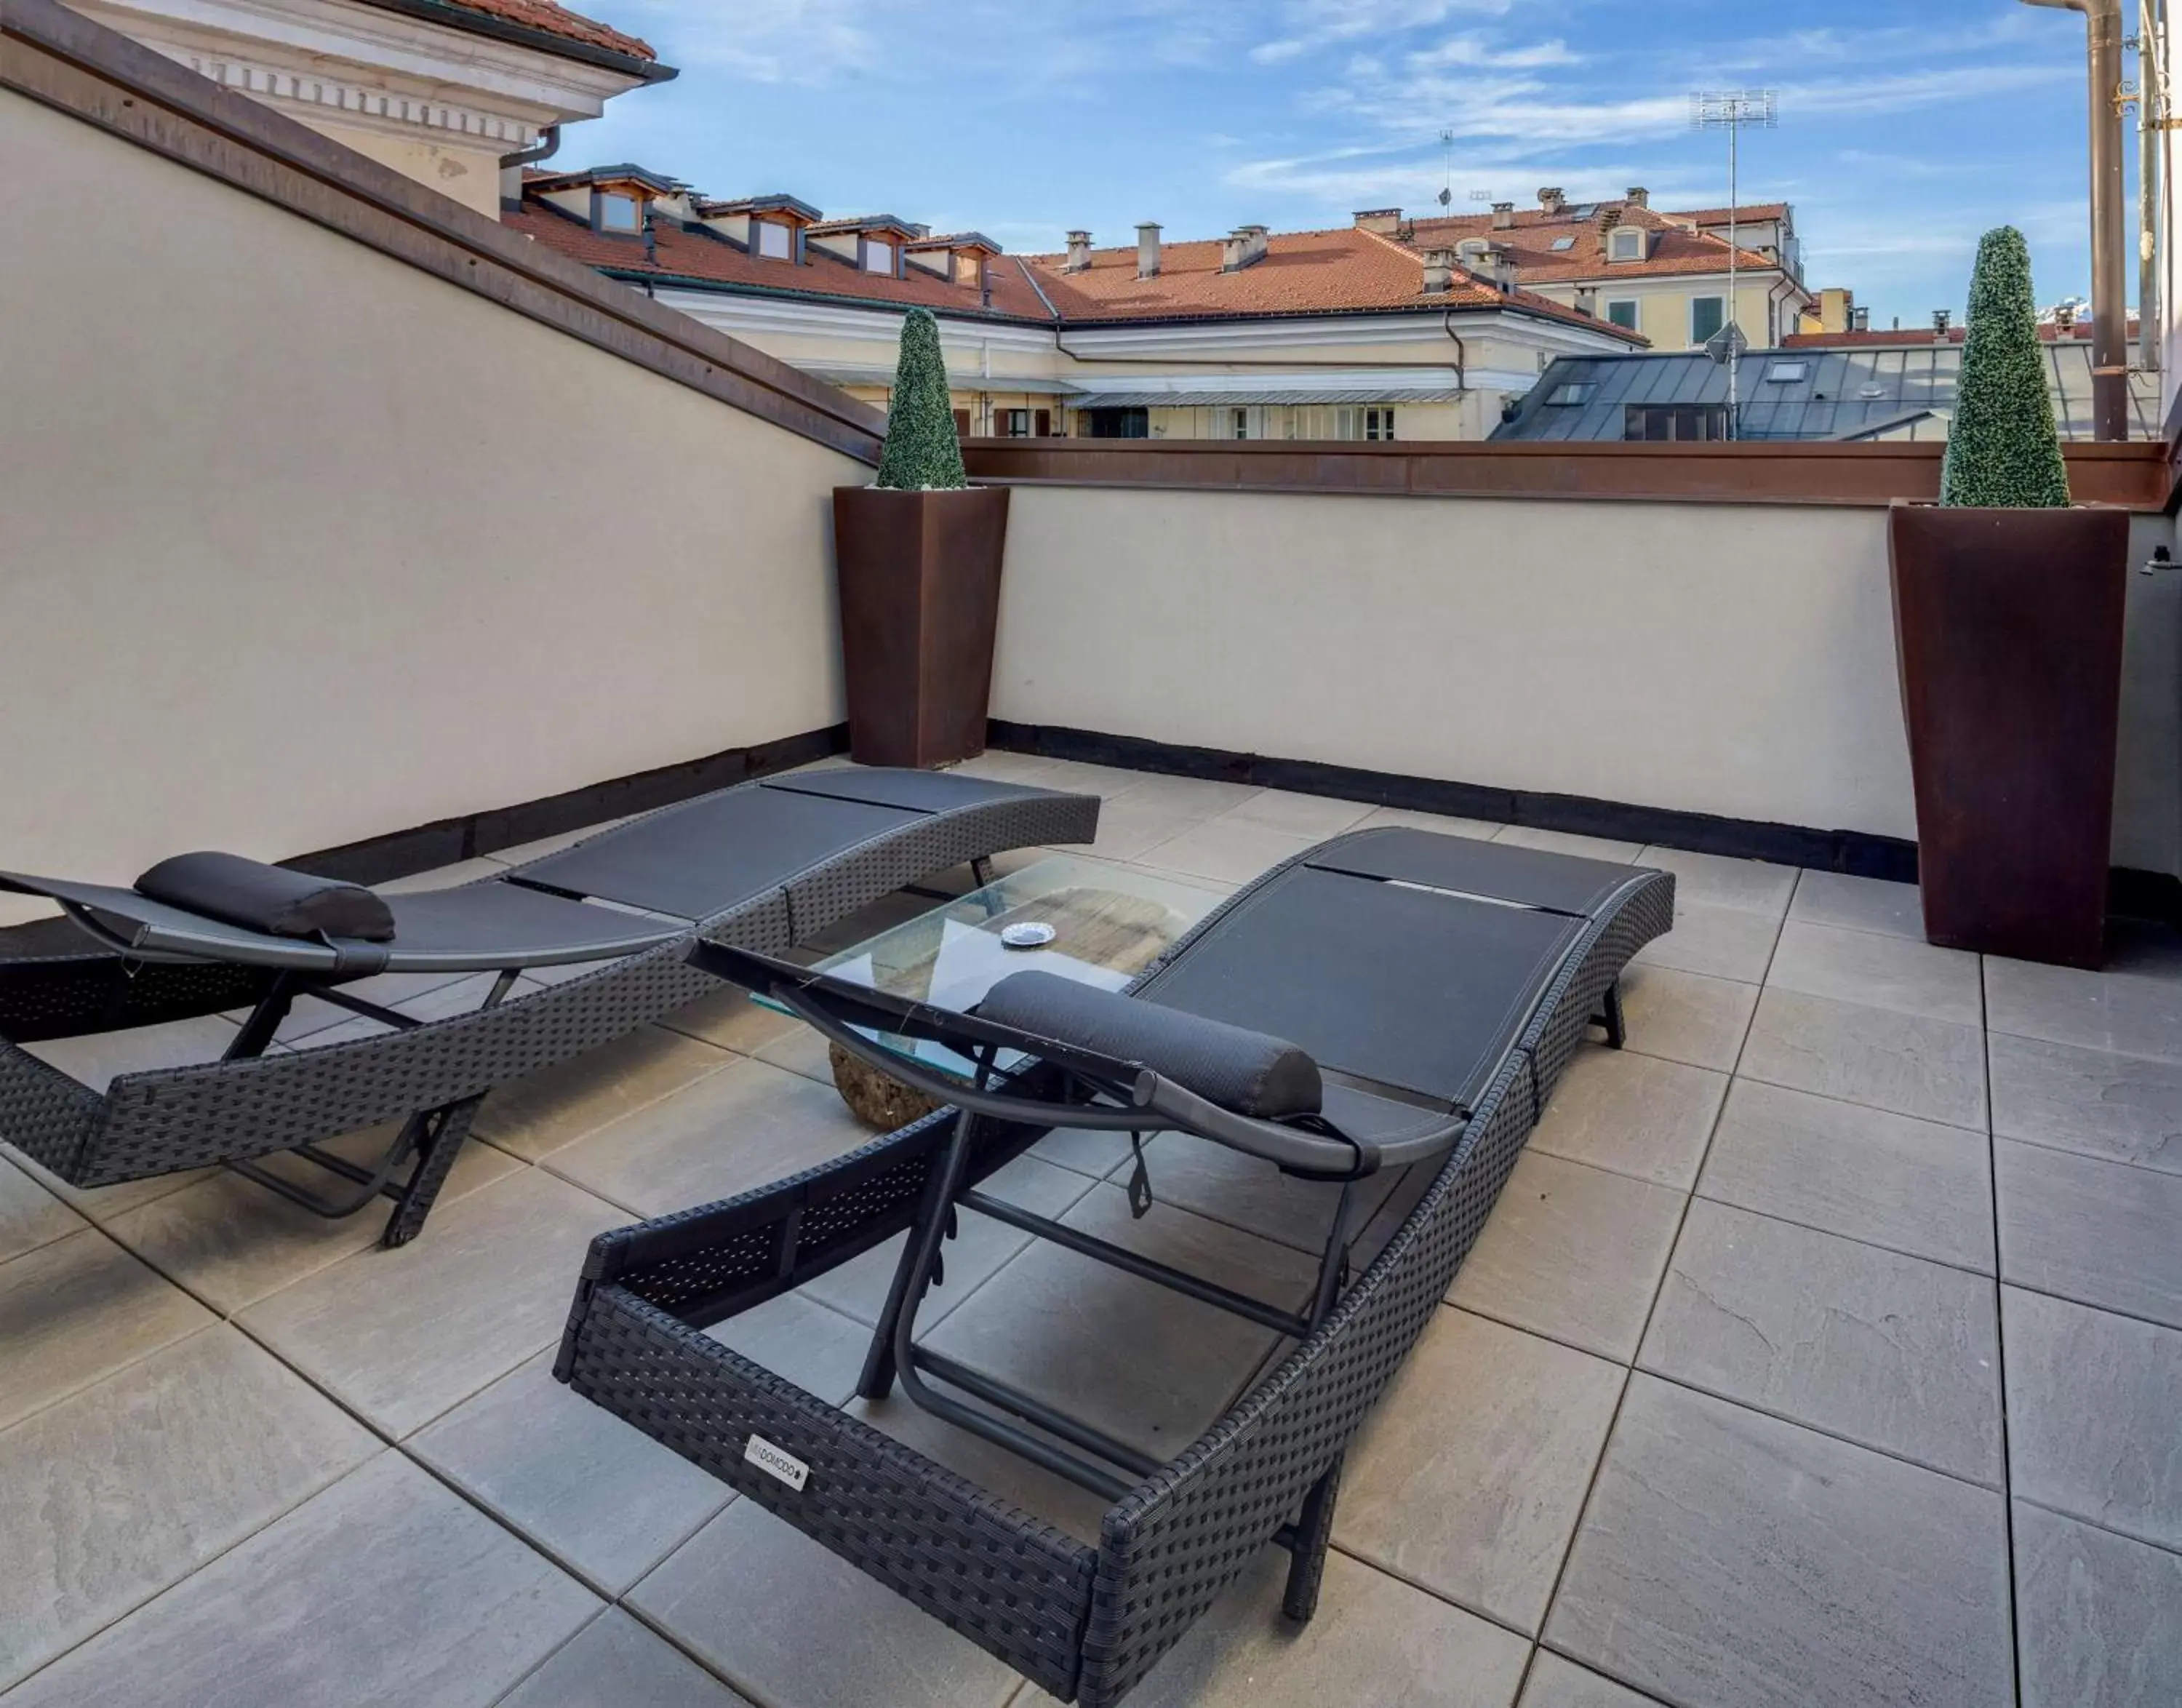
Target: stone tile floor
x,y
1825,1350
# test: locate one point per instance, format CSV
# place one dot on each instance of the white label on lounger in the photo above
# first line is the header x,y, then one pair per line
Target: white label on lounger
x,y
774,1462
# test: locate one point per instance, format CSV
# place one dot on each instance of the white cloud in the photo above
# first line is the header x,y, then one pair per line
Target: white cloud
x,y
1311,24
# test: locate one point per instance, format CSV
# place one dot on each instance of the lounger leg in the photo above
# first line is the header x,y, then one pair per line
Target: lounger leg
x,y
445,1129
914,1272
1617,1029
1313,1535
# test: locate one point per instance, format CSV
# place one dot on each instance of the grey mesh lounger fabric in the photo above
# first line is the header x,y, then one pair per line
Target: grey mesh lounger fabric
x,y
764,864
1439,987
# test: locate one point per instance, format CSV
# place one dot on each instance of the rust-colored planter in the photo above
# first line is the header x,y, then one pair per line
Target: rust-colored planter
x,y
920,581
2008,626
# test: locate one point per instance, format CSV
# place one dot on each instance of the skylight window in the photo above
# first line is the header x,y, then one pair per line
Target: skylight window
x,y
1787,372
1562,243
1573,395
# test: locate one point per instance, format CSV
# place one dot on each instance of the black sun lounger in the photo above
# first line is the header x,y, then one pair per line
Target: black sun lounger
x,y
763,866
1389,1000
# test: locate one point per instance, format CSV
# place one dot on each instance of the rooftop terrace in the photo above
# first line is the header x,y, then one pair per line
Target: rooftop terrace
x,y
1820,1349
1824,1350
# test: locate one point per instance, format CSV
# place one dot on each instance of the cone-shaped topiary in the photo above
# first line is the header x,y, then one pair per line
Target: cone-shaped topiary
x,y
922,451
2003,451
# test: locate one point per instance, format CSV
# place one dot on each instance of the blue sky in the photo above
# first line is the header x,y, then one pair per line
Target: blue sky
x,y
1907,126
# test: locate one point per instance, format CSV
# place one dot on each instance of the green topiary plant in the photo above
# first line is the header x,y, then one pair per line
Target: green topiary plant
x,y
921,452
2003,451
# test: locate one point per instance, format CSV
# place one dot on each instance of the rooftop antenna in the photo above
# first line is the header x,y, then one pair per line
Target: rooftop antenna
x,y
1447,184
1729,110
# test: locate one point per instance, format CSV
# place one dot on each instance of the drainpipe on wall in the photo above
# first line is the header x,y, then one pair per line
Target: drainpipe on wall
x,y
2109,220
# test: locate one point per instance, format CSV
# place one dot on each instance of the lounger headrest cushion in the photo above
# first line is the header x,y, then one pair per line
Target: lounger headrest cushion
x,y
1243,1071
270,899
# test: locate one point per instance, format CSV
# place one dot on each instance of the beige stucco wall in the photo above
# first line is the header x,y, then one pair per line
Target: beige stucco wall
x,y
302,546
1730,660
470,173
1662,306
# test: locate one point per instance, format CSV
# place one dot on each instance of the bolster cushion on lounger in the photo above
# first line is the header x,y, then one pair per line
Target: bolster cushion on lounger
x,y
270,899
1246,1071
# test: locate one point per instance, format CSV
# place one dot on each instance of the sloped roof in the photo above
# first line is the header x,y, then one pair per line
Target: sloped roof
x,y
707,259
1757,213
1803,394
1674,247
538,18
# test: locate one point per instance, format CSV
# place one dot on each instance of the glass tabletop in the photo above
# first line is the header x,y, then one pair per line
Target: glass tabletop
x,y
1085,919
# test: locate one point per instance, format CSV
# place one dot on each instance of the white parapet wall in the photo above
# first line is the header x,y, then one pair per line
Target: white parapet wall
x,y
303,545
1732,660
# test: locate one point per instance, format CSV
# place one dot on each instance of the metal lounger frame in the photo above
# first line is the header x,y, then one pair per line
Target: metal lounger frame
x,y
431,1076
1085,1623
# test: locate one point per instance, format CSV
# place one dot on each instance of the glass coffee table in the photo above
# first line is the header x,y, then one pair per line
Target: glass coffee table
x,y
1085,919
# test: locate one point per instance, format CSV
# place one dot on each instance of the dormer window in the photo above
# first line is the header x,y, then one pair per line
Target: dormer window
x,y
1625,243
879,257
775,241
619,213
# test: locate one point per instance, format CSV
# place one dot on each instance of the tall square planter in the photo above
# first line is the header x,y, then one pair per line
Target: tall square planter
x,y
920,583
2008,627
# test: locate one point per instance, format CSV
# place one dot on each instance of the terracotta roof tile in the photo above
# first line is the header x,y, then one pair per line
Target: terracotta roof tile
x,y
1675,248
715,260
551,20
1758,213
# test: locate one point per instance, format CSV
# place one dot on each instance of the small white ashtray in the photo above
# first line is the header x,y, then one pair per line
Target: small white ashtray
x,y
1027,933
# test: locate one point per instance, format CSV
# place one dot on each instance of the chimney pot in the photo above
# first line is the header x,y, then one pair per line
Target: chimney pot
x,y
1639,197
1439,271
1148,249
1079,252
1503,216
1552,199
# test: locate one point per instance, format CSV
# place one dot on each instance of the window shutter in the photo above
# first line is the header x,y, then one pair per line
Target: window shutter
x,y
961,424
1044,429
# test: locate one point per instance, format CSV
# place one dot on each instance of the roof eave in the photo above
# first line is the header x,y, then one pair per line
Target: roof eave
x,y
471,23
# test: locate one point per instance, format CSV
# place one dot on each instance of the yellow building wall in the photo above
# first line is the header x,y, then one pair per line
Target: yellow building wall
x,y
469,173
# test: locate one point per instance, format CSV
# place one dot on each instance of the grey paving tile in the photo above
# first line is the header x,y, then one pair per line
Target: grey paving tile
x,y
102,1203
129,1485
79,1309
462,996
1375,1642
1685,1016
1123,1354
2096,1623
523,852
1931,1069
230,1241
1573,1253
1914,1186
732,1019
1720,942
311,1015
859,1287
1228,850
541,1112
99,1057
1728,1559
1314,816
615,1661
1245,1192
402,1335
29,1215
1469,1475
1095,1154
1566,842
2125,1011
745,1126
2127,1108
2100,1233
1194,797
386,1588
1890,1351
811,1345
1858,904
801,1050
2092,1400
597,1494
1879,971
1637,1115
793,1625
1555,1682
1128,830
1440,823
1718,880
